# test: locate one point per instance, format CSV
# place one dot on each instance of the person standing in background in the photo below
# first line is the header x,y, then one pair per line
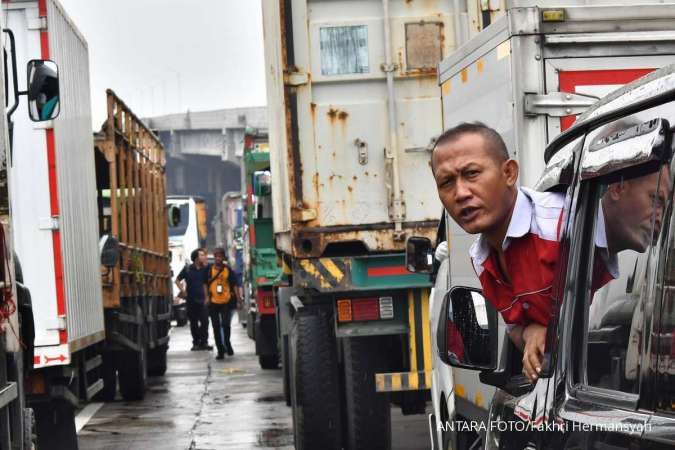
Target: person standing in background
x,y
223,298
192,281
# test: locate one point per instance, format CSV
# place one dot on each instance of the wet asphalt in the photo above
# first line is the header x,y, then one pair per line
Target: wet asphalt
x,y
205,404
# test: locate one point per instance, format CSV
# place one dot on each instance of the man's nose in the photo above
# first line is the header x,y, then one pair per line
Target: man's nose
x,y
462,191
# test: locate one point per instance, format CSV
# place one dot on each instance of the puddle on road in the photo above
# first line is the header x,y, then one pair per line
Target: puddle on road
x,y
275,437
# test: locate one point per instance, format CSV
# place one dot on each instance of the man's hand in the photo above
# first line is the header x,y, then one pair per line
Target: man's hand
x,y
534,339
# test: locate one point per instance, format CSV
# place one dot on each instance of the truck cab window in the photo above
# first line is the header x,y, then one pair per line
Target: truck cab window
x,y
629,207
663,341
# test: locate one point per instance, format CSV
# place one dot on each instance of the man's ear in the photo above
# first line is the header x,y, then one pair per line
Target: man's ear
x,y
615,190
510,170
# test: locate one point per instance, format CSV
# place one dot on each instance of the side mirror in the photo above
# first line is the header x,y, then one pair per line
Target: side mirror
x,y
467,334
43,90
419,255
109,247
174,215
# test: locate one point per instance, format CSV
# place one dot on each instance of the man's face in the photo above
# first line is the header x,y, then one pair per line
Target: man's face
x,y
203,259
640,203
473,185
218,258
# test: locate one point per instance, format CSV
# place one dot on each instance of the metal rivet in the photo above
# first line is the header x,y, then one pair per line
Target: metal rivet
x,y
537,57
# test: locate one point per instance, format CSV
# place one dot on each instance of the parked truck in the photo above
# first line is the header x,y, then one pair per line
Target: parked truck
x,y
17,334
261,269
232,223
184,238
136,278
53,202
353,106
528,71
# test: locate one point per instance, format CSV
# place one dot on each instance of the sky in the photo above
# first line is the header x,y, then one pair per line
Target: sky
x,y
168,56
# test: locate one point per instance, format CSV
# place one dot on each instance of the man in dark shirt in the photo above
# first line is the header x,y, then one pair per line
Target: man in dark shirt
x,y
194,279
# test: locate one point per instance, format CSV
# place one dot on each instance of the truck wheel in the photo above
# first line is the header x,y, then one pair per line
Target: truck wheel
x,y
109,375
315,391
55,422
157,361
268,362
368,413
181,321
132,370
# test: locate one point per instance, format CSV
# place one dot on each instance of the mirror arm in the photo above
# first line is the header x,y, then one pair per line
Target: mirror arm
x,y
15,81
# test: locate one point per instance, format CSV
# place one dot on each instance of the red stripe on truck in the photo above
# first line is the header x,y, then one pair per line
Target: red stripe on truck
x,y
53,194
387,271
569,80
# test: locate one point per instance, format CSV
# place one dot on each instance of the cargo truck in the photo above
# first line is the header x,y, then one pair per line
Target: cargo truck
x,y
53,201
136,277
353,106
261,269
528,71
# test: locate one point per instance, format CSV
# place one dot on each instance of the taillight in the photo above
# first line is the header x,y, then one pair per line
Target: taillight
x,y
344,310
364,309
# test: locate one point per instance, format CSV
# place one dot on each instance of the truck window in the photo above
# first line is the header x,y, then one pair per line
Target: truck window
x,y
181,226
629,208
663,341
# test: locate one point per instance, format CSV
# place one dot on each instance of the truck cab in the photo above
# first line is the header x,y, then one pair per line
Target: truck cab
x,y
608,375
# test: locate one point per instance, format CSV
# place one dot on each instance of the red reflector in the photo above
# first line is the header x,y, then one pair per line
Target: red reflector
x,y
365,309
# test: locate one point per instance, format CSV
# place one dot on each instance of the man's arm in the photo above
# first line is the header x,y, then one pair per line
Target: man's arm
x,y
179,279
233,281
531,340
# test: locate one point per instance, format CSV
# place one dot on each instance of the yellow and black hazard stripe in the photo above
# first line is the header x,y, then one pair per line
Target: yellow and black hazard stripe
x,y
322,273
419,340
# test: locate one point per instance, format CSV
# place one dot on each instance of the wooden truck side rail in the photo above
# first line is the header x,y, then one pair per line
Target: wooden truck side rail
x,y
137,216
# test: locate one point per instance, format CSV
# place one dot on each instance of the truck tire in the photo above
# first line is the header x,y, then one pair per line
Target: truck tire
x,y
55,422
315,390
181,321
268,362
157,361
109,376
368,413
133,373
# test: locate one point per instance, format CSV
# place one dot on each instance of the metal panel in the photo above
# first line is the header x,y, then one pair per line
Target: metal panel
x,y
30,187
332,168
76,177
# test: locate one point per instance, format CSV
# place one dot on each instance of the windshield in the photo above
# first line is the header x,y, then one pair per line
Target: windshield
x,y
181,226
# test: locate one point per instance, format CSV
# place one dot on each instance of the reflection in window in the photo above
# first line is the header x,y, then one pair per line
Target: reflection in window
x,y
629,219
344,50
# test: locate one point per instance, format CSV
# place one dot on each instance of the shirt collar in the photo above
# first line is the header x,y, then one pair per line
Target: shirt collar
x,y
611,260
519,226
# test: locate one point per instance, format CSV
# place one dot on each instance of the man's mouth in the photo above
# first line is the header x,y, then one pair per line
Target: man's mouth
x,y
469,213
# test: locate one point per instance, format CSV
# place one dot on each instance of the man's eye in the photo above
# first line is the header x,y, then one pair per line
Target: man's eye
x,y
472,173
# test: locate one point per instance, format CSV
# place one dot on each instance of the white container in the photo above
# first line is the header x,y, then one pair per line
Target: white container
x,y
54,189
329,120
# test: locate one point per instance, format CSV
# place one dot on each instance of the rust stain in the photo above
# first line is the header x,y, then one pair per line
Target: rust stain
x,y
332,114
355,178
350,189
342,115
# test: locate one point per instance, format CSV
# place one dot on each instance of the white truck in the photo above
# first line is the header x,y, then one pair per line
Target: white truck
x,y
183,239
53,186
528,74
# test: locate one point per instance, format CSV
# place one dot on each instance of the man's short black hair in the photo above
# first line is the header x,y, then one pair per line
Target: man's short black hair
x,y
491,137
219,251
195,253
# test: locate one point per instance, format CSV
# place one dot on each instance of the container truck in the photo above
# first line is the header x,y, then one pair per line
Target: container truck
x,y
353,106
136,278
528,75
53,186
261,269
